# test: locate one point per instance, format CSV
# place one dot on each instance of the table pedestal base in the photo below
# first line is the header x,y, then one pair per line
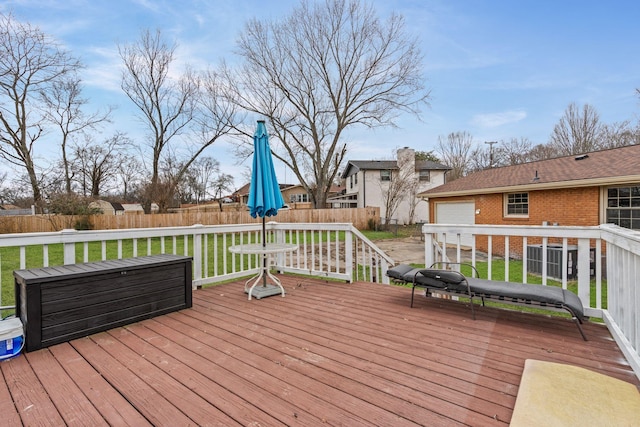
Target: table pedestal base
x,y
260,288
258,285
264,291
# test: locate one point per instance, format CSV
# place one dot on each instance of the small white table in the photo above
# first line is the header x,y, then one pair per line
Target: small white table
x,y
267,253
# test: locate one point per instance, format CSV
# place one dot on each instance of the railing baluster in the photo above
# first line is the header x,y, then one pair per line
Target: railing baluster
x,y
545,252
23,257
45,255
524,259
489,256
506,258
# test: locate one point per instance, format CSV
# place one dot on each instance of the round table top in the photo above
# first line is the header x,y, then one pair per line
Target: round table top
x,y
258,248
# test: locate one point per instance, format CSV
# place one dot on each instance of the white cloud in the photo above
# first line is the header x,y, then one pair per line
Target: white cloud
x,y
493,120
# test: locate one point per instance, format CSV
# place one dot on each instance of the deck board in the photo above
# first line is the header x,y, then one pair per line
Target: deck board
x,y
74,407
113,407
329,353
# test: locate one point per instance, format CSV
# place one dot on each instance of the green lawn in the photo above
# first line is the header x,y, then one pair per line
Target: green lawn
x,y
10,257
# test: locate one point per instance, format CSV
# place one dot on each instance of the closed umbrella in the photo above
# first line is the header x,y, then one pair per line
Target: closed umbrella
x,y
265,197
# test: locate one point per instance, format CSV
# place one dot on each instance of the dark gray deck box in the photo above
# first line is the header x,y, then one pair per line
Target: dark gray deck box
x,y
58,304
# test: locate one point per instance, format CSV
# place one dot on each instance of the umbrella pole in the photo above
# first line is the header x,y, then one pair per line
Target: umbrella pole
x,y
264,255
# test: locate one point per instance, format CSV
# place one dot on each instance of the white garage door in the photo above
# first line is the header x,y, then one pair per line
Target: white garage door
x,y
456,213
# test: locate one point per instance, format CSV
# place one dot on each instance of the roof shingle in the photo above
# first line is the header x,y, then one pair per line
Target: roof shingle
x,y
611,166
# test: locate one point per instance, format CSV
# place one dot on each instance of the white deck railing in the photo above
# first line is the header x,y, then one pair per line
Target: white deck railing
x,y
612,294
333,250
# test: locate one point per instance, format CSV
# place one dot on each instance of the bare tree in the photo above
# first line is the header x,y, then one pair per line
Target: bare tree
x,y
222,183
5,192
402,186
620,134
455,152
514,151
544,152
326,67
480,158
64,108
96,164
129,174
170,106
196,183
578,131
166,104
30,64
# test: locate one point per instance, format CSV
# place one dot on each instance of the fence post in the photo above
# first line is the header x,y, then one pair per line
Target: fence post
x,y
69,247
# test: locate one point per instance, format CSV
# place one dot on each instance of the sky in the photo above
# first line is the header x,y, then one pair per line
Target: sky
x,y
497,69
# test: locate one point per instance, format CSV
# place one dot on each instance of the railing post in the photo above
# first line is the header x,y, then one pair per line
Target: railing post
x,y
69,247
278,236
584,272
197,252
348,256
428,250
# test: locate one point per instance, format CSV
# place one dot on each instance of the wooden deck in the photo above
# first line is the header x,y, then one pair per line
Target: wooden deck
x,y
328,354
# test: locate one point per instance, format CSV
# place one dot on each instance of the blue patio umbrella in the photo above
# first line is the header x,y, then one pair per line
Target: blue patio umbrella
x,y
265,197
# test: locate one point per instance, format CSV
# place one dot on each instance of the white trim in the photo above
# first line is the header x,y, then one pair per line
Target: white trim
x,y
505,205
594,182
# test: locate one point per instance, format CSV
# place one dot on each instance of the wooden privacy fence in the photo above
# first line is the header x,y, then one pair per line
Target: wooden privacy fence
x,y
361,218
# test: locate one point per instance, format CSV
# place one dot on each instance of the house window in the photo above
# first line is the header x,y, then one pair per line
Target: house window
x,y
299,198
425,176
517,204
385,175
623,207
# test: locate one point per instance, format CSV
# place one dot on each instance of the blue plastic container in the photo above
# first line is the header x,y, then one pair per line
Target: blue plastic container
x,y
11,338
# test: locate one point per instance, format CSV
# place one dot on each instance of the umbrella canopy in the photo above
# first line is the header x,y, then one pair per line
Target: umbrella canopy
x,y
265,197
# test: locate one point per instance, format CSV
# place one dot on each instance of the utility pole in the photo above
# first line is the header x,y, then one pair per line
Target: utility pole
x,y
491,151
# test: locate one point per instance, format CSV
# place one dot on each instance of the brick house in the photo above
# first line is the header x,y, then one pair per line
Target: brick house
x,y
585,190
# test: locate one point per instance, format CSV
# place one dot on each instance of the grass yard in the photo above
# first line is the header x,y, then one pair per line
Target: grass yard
x,y
10,257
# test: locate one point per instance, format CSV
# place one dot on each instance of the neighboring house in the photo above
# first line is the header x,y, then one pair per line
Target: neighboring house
x,y
295,196
242,194
298,198
585,190
13,210
368,183
107,208
137,209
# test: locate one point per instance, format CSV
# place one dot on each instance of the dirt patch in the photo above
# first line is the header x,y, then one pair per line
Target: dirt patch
x,y
403,250
407,250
